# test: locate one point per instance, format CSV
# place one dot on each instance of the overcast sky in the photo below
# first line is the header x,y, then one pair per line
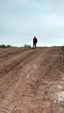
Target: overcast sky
x,y
21,20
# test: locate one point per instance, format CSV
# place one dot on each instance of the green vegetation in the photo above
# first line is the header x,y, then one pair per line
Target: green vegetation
x,y
27,46
4,46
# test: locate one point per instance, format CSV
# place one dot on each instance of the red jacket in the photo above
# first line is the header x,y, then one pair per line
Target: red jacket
x,y
35,40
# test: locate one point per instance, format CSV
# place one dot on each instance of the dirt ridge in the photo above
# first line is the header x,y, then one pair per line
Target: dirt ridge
x,y
32,81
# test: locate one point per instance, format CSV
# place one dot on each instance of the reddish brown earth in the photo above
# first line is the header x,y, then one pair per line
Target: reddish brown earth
x,y
32,80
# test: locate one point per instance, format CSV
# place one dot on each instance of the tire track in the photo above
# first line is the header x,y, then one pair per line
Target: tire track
x,y
50,63
14,63
10,85
26,95
12,54
9,79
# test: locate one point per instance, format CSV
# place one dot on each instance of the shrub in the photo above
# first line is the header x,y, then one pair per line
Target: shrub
x,y
3,46
8,46
27,46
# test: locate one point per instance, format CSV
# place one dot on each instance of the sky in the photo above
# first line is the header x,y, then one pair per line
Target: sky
x,y
21,20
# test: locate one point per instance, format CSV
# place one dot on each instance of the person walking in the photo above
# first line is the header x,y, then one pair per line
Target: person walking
x,y
34,42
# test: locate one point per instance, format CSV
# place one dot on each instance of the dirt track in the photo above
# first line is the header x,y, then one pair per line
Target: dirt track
x,y
32,81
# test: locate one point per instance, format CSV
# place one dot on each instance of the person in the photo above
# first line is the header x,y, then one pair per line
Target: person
x,y
34,42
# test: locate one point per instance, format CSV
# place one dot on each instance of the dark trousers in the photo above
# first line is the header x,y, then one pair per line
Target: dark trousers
x,y
34,45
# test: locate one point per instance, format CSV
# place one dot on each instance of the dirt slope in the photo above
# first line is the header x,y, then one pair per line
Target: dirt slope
x,y
32,80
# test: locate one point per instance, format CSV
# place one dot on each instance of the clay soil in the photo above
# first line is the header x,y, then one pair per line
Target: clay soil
x,y
32,80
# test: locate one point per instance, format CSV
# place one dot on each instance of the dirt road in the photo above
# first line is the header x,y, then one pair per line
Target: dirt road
x,y
32,80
